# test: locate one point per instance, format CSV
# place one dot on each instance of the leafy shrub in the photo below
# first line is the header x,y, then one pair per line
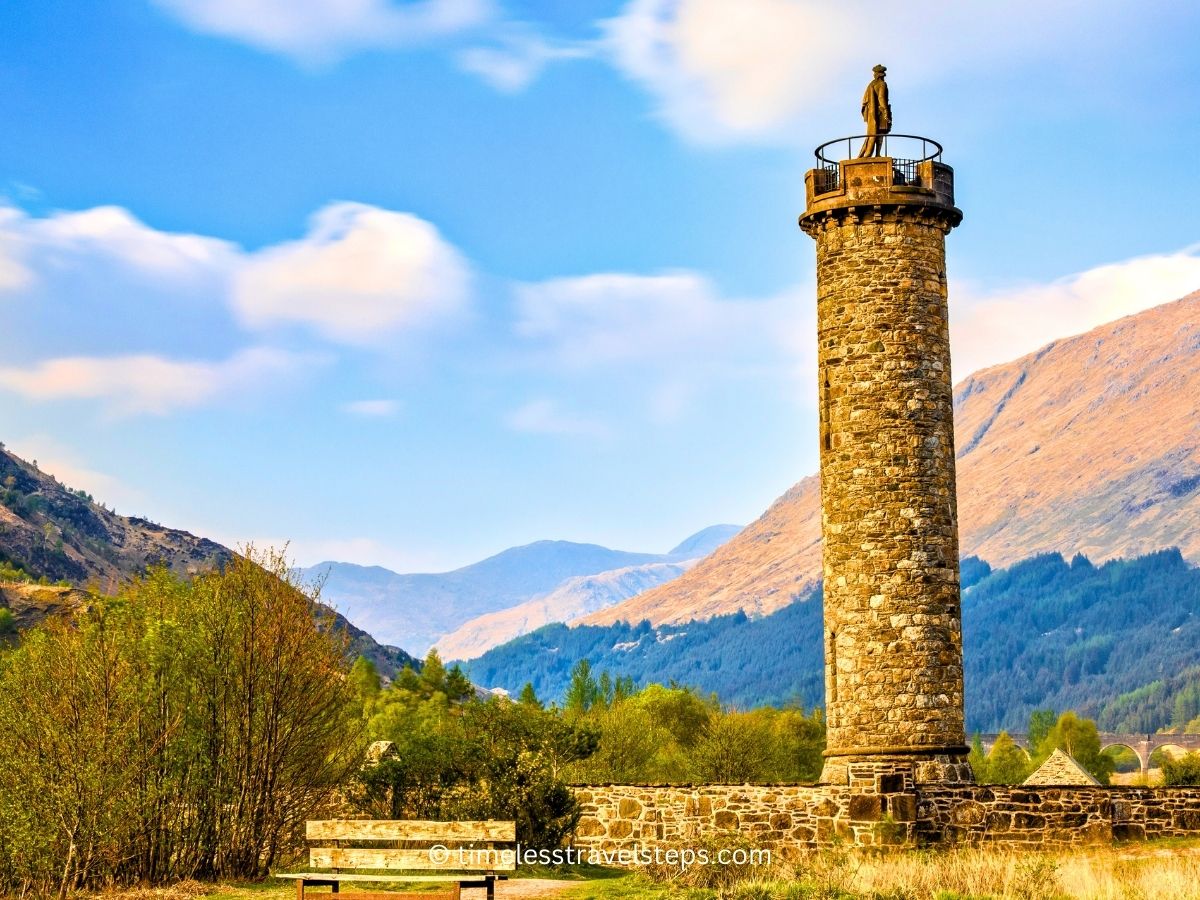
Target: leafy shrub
x,y
182,729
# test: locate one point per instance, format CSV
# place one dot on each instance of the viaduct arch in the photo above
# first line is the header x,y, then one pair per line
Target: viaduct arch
x,y
1143,745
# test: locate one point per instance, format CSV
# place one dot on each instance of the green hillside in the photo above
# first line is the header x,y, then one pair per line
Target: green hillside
x,y
1119,642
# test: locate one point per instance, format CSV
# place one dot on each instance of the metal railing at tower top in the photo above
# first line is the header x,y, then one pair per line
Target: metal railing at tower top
x,y
905,164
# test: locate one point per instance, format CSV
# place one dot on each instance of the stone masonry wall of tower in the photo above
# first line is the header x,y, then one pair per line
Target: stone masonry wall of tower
x,y
893,635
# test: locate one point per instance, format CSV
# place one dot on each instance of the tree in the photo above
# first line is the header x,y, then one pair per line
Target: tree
x,y
529,697
364,681
181,729
1041,721
433,673
1080,739
1180,771
737,747
474,759
978,759
1007,763
583,690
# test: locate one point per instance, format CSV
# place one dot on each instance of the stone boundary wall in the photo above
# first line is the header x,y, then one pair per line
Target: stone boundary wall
x,y
788,818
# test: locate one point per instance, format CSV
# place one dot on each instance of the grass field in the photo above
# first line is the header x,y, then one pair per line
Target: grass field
x,y
1168,870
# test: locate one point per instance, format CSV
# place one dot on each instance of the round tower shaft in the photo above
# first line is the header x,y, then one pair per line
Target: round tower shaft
x,y
893,626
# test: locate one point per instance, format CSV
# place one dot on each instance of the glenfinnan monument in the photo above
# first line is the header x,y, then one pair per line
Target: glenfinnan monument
x,y
893,625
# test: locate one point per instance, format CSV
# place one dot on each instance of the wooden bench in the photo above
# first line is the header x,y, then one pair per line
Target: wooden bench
x,y
462,854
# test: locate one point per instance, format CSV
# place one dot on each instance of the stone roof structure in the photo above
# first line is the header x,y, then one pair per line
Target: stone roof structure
x,y
1061,768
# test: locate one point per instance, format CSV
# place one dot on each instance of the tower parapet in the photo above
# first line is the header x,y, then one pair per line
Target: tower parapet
x,y
893,626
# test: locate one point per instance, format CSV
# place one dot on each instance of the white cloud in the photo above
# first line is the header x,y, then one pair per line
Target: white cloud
x,y
372,409
612,318
104,234
148,384
360,275
544,417
518,56
996,327
316,31
722,71
673,334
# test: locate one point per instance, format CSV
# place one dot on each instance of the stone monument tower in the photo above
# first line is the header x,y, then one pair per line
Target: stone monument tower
x,y
893,627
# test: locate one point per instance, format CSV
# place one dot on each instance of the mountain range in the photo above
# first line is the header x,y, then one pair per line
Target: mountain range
x,y
1118,642
1090,445
535,583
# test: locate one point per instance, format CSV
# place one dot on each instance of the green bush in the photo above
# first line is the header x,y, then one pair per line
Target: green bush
x,y
184,729
1181,771
459,756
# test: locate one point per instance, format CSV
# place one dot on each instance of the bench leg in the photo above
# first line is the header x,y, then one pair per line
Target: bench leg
x,y
333,888
299,889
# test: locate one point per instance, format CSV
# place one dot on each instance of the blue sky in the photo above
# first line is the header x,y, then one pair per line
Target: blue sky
x,y
409,283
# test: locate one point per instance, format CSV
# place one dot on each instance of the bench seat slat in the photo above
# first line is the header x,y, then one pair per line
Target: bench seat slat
x,y
409,830
399,878
479,860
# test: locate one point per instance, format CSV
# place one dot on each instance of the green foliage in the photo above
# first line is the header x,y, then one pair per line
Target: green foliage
x,y
1081,635
670,734
11,572
1123,759
1183,770
182,729
463,757
1006,762
8,622
529,697
364,681
1041,722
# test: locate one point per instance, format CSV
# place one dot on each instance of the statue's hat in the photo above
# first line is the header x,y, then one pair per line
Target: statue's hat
x,y
880,69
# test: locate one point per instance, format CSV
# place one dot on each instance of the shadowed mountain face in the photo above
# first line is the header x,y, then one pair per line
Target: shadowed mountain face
x,y
1090,445
49,530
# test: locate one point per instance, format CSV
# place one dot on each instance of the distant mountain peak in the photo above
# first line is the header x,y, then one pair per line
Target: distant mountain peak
x,y
704,541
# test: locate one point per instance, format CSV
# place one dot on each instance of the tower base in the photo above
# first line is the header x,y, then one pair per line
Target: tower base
x,y
889,772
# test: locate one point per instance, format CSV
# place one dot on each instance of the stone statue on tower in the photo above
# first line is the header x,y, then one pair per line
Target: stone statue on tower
x,y
876,112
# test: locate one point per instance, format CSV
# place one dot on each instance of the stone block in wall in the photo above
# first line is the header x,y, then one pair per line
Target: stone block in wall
x,y
865,808
902,807
726,819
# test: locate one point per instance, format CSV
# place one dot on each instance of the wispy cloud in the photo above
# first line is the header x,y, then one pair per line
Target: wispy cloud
x,y
616,317
517,55
372,409
321,31
543,416
149,384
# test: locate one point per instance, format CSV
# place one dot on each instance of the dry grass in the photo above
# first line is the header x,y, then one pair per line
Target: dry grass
x,y
1163,871
1147,872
